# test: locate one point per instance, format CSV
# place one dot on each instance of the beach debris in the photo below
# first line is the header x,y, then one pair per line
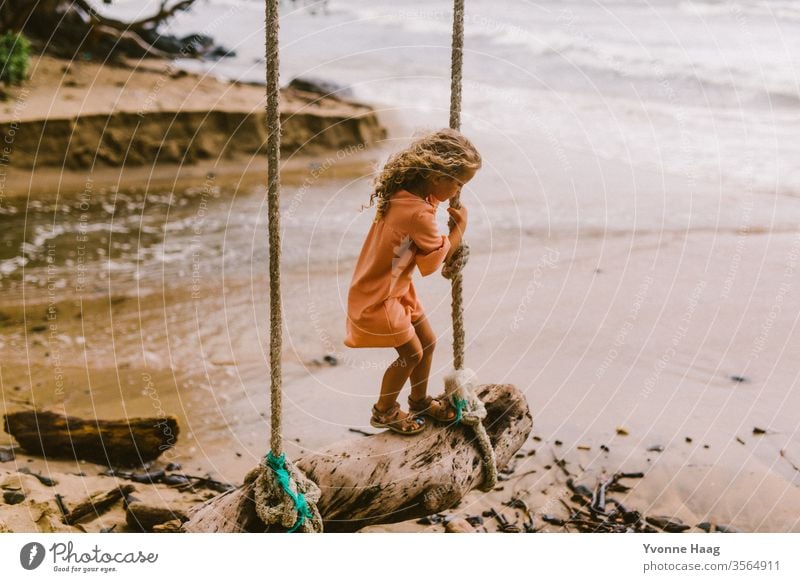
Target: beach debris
x,y
622,431
705,526
656,449
758,431
44,480
558,443
537,438
795,467
97,504
605,448
726,529
173,467
432,519
13,497
145,516
329,359
171,526
62,507
553,520
149,477
108,529
562,464
517,503
706,446
738,379
458,525
668,524
175,480
129,442
688,439
739,440
505,525
584,448
475,520
362,432
6,454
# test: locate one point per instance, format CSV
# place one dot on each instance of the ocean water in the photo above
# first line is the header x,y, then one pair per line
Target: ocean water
x,y
592,117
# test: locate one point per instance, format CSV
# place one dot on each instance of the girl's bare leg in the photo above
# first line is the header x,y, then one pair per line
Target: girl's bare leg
x,y
422,371
410,355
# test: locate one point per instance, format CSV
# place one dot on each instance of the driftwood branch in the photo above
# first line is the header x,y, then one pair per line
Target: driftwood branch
x,y
97,504
129,442
387,478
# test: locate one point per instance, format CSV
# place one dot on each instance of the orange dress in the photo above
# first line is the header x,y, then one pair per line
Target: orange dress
x,y
382,302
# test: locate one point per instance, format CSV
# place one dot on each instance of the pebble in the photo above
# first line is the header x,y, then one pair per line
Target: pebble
x,y
459,525
6,454
13,497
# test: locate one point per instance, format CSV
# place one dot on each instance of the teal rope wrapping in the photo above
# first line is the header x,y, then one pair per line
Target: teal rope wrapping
x,y
459,404
278,466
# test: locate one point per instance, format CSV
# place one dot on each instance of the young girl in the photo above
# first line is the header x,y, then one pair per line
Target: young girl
x,y
382,306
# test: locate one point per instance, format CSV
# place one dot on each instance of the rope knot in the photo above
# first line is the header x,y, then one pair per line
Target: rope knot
x,y
457,261
459,387
284,496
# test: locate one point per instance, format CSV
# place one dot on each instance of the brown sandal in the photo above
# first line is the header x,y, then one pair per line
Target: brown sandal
x,y
396,420
438,409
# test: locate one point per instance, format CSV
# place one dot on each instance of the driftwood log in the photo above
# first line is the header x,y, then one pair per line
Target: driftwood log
x,y
388,478
130,442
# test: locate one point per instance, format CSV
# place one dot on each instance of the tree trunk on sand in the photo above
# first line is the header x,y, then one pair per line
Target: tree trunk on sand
x,y
387,478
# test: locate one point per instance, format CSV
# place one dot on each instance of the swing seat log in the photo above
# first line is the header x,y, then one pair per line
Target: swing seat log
x,y
388,478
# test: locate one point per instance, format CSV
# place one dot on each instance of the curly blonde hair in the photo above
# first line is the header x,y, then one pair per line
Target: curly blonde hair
x,y
445,151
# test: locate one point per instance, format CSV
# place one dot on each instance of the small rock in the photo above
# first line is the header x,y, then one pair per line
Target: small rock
x,y
757,430
558,443
605,448
330,360
431,519
321,86
739,379
727,529
459,525
173,467
6,454
688,439
13,497
622,431
475,520
705,526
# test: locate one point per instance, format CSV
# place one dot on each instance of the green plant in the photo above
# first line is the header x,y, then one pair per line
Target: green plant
x,y
14,55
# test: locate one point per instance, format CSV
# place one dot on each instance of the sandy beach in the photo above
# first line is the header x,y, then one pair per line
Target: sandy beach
x,y
660,340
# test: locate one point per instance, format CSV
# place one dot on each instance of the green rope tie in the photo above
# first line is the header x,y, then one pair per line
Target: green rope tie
x,y
278,465
459,404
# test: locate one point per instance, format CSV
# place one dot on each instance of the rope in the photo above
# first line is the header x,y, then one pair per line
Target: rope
x,y
283,495
454,271
460,385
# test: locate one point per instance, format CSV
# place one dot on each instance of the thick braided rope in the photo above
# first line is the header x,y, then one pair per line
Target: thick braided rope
x,y
457,59
283,495
459,387
273,205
